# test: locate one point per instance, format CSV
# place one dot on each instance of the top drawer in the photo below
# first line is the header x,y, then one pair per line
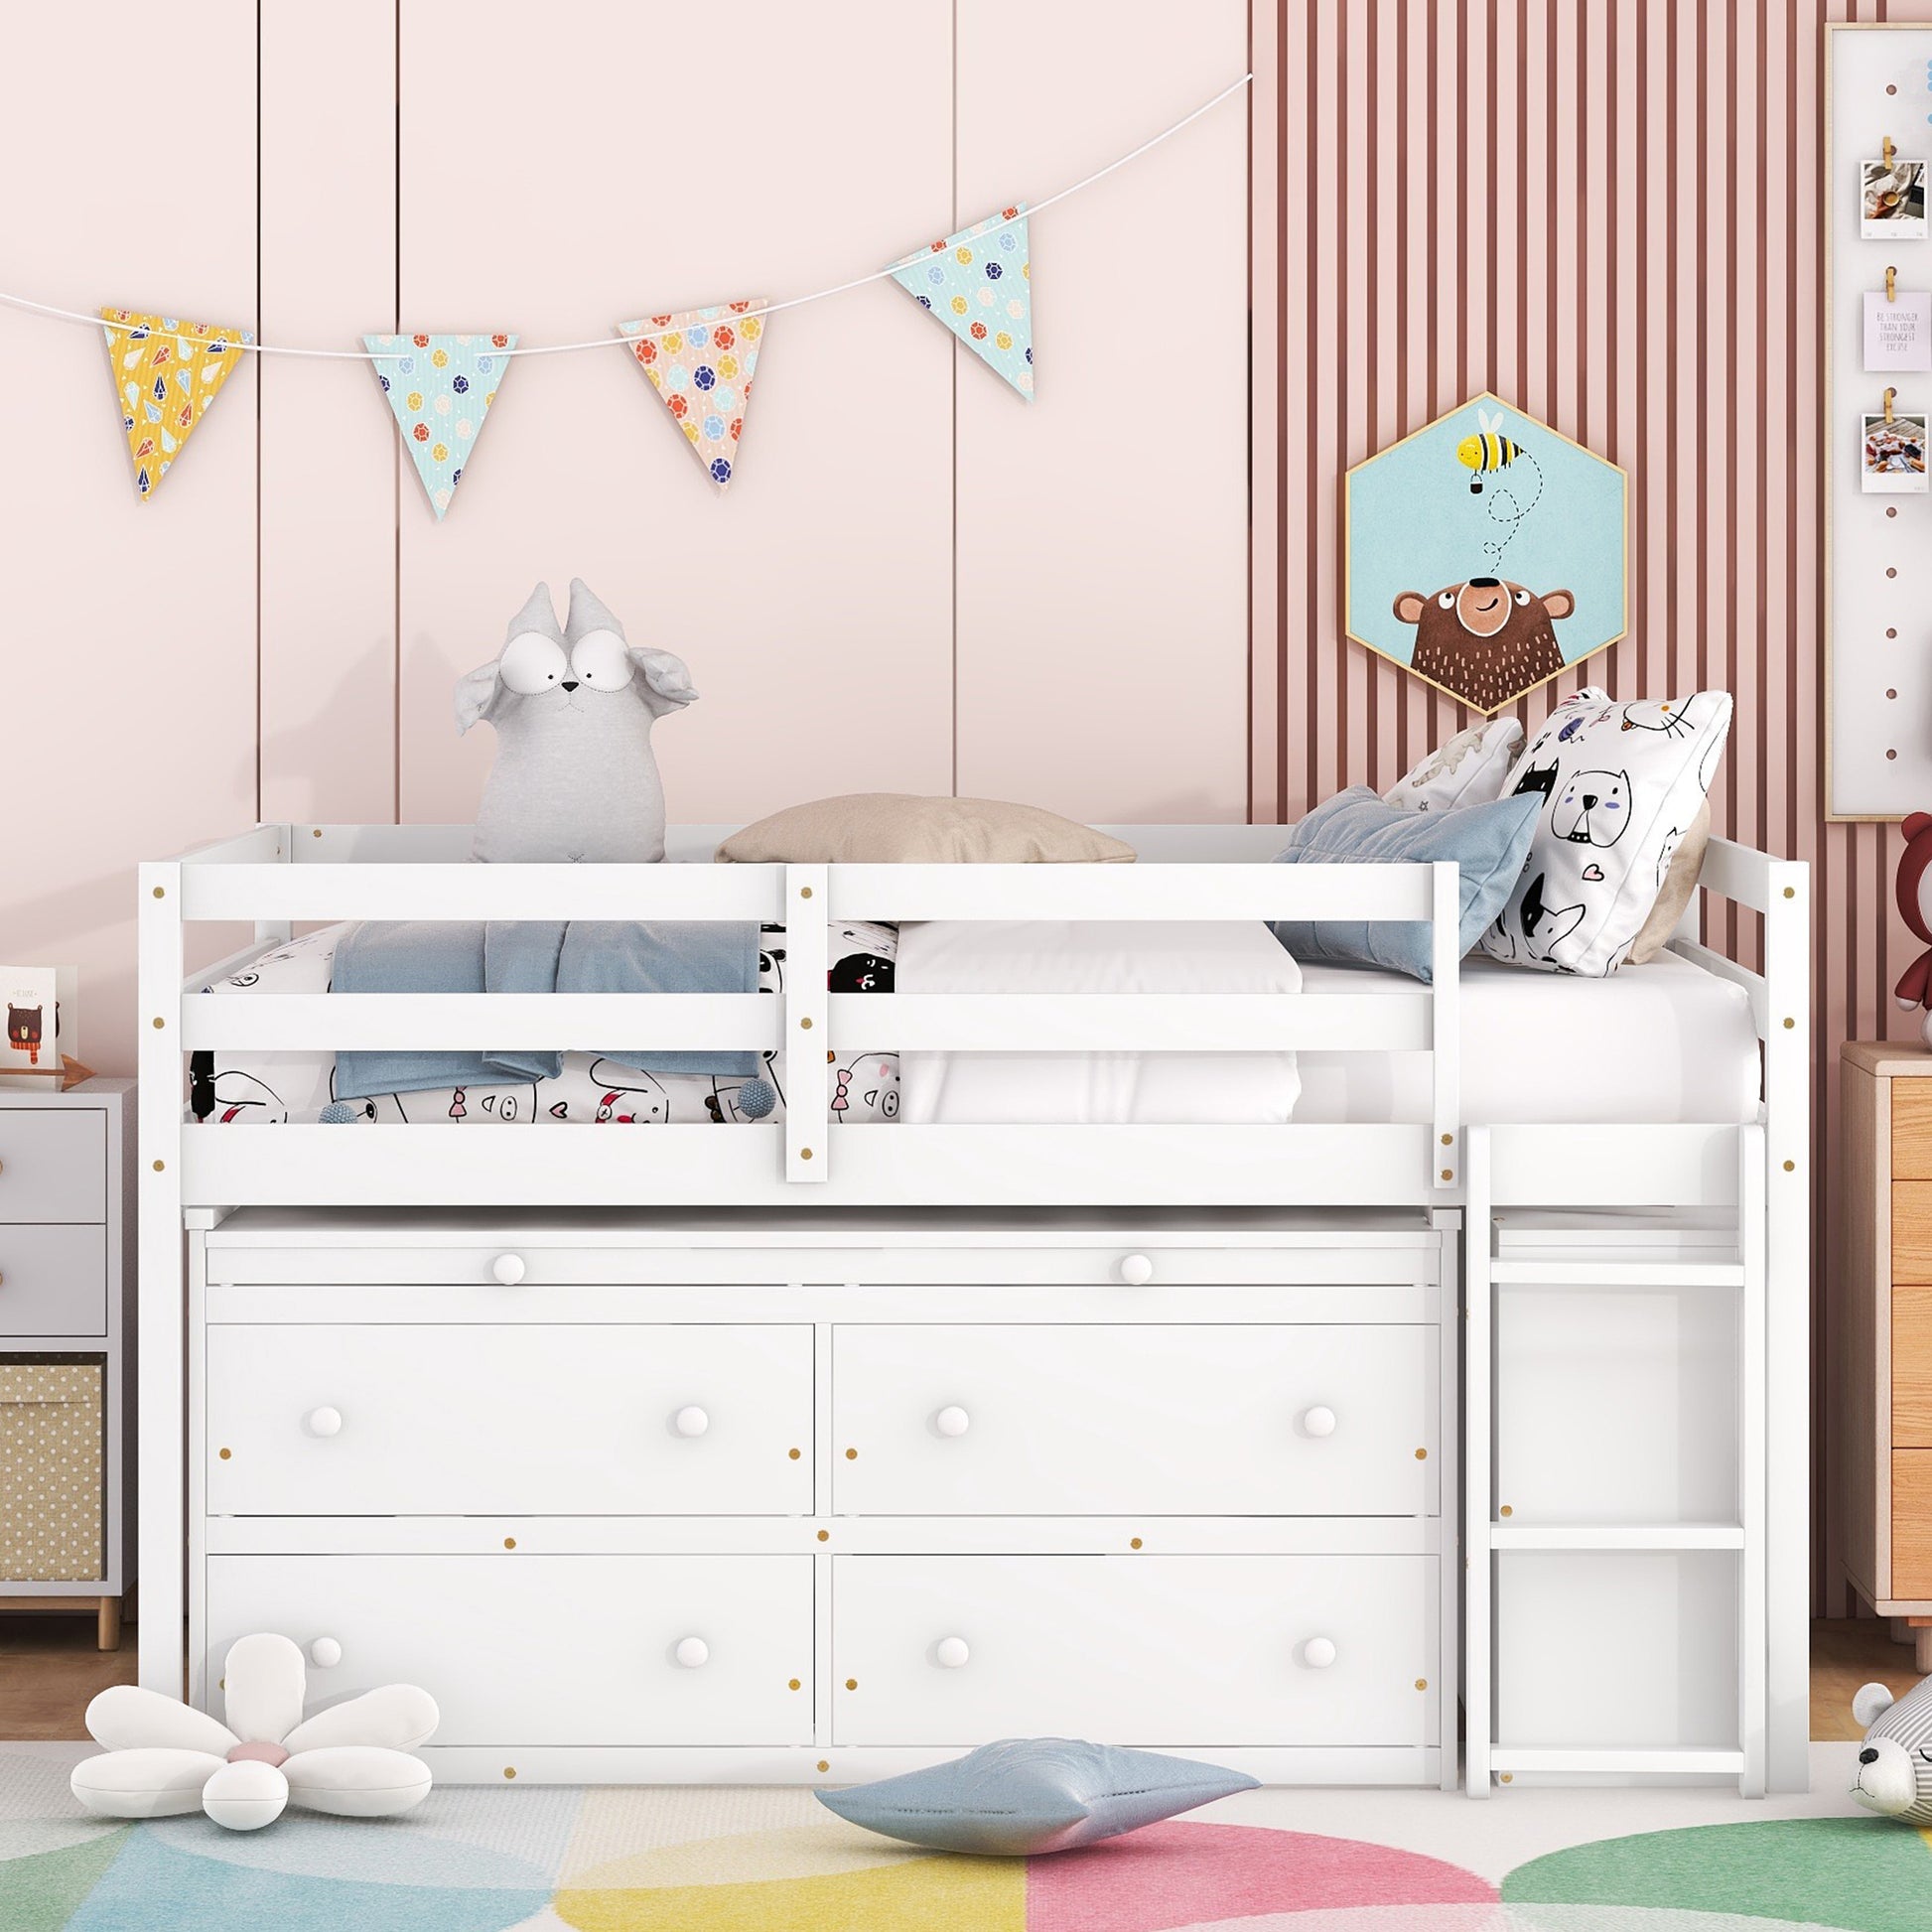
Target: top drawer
x,y
53,1164
1911,1130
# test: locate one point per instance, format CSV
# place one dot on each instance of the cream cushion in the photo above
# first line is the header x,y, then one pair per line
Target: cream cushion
x,y
896,828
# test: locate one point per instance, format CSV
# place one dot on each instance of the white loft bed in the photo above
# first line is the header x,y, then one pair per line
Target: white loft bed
x,y
1753,1175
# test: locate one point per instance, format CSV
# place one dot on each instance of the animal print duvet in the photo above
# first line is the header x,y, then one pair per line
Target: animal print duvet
x,y
243,1087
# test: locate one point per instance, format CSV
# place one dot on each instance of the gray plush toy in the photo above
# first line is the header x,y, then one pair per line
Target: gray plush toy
x,y
574,779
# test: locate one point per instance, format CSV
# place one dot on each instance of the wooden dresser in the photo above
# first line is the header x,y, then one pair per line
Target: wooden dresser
x,y
1882,1310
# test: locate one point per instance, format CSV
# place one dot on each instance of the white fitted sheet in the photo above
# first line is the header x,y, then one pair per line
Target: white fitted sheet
x,y
1664,1041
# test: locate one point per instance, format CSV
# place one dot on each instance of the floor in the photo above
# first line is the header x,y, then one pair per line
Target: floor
x,y
50,1667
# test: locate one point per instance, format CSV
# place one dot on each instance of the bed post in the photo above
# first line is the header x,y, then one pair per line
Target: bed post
x,y
1787,1195
807,1022
160,1548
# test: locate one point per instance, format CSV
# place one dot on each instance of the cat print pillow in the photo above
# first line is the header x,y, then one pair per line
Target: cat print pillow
x,y
1621,786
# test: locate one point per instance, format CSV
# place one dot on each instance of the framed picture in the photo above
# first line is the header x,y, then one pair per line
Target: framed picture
x,y
1891,200
1892,459
30,997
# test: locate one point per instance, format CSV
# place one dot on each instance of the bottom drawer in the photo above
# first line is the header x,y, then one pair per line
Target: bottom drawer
x,y
51,1509
529,1650
1193,1651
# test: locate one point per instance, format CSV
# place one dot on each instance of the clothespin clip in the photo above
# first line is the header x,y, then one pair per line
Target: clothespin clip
x,y
1890,396
1887,151
1892,285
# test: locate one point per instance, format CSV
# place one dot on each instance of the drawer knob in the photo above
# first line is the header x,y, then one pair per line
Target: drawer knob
x,y
691,1421
952,1419
952,1653
1318,1421
324,1653
1136,1269
509,1269
324,1421
1319,1653
693,1652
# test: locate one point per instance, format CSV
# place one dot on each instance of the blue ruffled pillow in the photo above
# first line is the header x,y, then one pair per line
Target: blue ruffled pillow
x,y
1355,828
1027,1795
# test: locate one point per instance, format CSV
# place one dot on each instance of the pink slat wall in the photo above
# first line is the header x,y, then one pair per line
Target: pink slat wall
x,y
1607,211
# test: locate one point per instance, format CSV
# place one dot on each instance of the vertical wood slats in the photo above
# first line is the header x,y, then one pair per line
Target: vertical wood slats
x,y
1608,212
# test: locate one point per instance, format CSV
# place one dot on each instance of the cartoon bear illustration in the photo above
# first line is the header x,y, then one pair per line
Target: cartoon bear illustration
x,y
1486,640
1592,808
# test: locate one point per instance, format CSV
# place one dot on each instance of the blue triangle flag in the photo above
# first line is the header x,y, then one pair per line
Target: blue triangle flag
x,y
440,387
978,283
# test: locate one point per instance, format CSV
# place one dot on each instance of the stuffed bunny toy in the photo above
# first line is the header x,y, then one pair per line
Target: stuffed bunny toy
x,y
574,779
1894,1772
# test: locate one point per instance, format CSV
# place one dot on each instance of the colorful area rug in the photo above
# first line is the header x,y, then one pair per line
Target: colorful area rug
x,y
535,1860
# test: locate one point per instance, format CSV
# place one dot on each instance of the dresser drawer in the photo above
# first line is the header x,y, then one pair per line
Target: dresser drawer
x,y
51,1506
1911,1231
529,1650
53,1164
1196,1651
53,1280
1095,1420
582,1420
1911,1130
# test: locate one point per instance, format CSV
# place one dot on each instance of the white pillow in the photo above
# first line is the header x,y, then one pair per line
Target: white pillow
x,y
1468,770
1622,784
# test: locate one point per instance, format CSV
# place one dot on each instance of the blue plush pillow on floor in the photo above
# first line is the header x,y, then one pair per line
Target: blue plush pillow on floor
x,y
1355,828
1025,1795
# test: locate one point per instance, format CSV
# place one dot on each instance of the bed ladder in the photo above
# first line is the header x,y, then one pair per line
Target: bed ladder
x,y
1485,1536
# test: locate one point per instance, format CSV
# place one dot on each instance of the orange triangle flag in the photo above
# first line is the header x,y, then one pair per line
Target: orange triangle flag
x,y
700,362
166,374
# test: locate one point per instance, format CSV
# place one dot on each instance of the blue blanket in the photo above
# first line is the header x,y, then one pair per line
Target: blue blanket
x,y
535,956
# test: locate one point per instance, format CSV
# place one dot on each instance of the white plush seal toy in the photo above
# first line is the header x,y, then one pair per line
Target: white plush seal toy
x,y
574,779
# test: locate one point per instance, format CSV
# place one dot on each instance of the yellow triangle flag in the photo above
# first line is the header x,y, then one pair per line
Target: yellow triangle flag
x,y
166,374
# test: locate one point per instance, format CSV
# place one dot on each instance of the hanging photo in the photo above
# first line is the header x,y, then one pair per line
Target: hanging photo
x,y
1891,200
1898,330
1892,454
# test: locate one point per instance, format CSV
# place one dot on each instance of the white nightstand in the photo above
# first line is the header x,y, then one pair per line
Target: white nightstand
x,y
66,1342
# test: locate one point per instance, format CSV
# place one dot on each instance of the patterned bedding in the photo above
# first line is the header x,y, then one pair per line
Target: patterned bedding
x,y
244,1088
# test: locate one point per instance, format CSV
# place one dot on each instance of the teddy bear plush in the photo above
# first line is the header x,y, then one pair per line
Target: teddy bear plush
x,y
1914,889
574,779
1894,1771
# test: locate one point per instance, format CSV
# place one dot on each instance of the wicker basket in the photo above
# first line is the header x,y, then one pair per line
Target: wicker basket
x,y
51,1511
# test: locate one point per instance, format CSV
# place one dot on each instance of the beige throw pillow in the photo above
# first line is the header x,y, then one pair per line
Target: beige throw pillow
x,y
1679,882
893,828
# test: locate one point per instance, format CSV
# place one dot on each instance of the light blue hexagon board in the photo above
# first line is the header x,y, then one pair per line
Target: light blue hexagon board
x,y
1460,539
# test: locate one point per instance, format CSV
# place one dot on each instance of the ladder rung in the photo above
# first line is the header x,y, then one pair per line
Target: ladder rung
x,y
1558,1758
1616,1536
1618,1274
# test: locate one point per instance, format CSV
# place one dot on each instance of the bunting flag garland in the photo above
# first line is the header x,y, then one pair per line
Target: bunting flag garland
x,y
166,374
976,282
440,388
700,362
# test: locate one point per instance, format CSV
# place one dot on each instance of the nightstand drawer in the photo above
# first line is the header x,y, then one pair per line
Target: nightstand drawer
x,y
53,1281
1911,1130
1911,1231
53,1164
1912,1523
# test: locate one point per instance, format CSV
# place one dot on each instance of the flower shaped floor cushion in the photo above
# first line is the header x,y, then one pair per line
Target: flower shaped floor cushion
x,y
165,1759
1027,1795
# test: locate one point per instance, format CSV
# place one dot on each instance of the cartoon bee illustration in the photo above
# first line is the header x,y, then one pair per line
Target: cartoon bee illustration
x,y
1488,451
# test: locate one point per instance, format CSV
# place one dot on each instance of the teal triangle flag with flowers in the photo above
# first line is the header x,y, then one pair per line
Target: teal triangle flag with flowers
x,y
700,362
978,283
440,387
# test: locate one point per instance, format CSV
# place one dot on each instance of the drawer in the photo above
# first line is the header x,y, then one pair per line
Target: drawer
x,y
584,1419
1161,1651
53,1164
1912,1523
1911,1231
50,1510
1911,1130
529,1650
1911,1367
53,1280
1100,1420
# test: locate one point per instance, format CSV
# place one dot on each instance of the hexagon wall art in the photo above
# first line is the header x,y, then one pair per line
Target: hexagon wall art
x,y
1487,552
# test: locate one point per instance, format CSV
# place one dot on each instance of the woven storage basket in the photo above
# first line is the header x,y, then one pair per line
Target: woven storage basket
x,y
50,1471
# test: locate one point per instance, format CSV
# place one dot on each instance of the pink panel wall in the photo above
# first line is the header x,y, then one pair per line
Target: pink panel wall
x,y
128,642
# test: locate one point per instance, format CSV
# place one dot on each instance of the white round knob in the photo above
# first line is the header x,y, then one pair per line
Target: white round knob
x,y
952,1421
324,1421
1319,1653
691,1421
1318,1421
509,1269
324,1653
1136,1269
952,1653
692,1652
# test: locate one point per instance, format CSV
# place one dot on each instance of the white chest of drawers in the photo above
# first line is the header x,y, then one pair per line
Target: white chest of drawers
x,y
660,1500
